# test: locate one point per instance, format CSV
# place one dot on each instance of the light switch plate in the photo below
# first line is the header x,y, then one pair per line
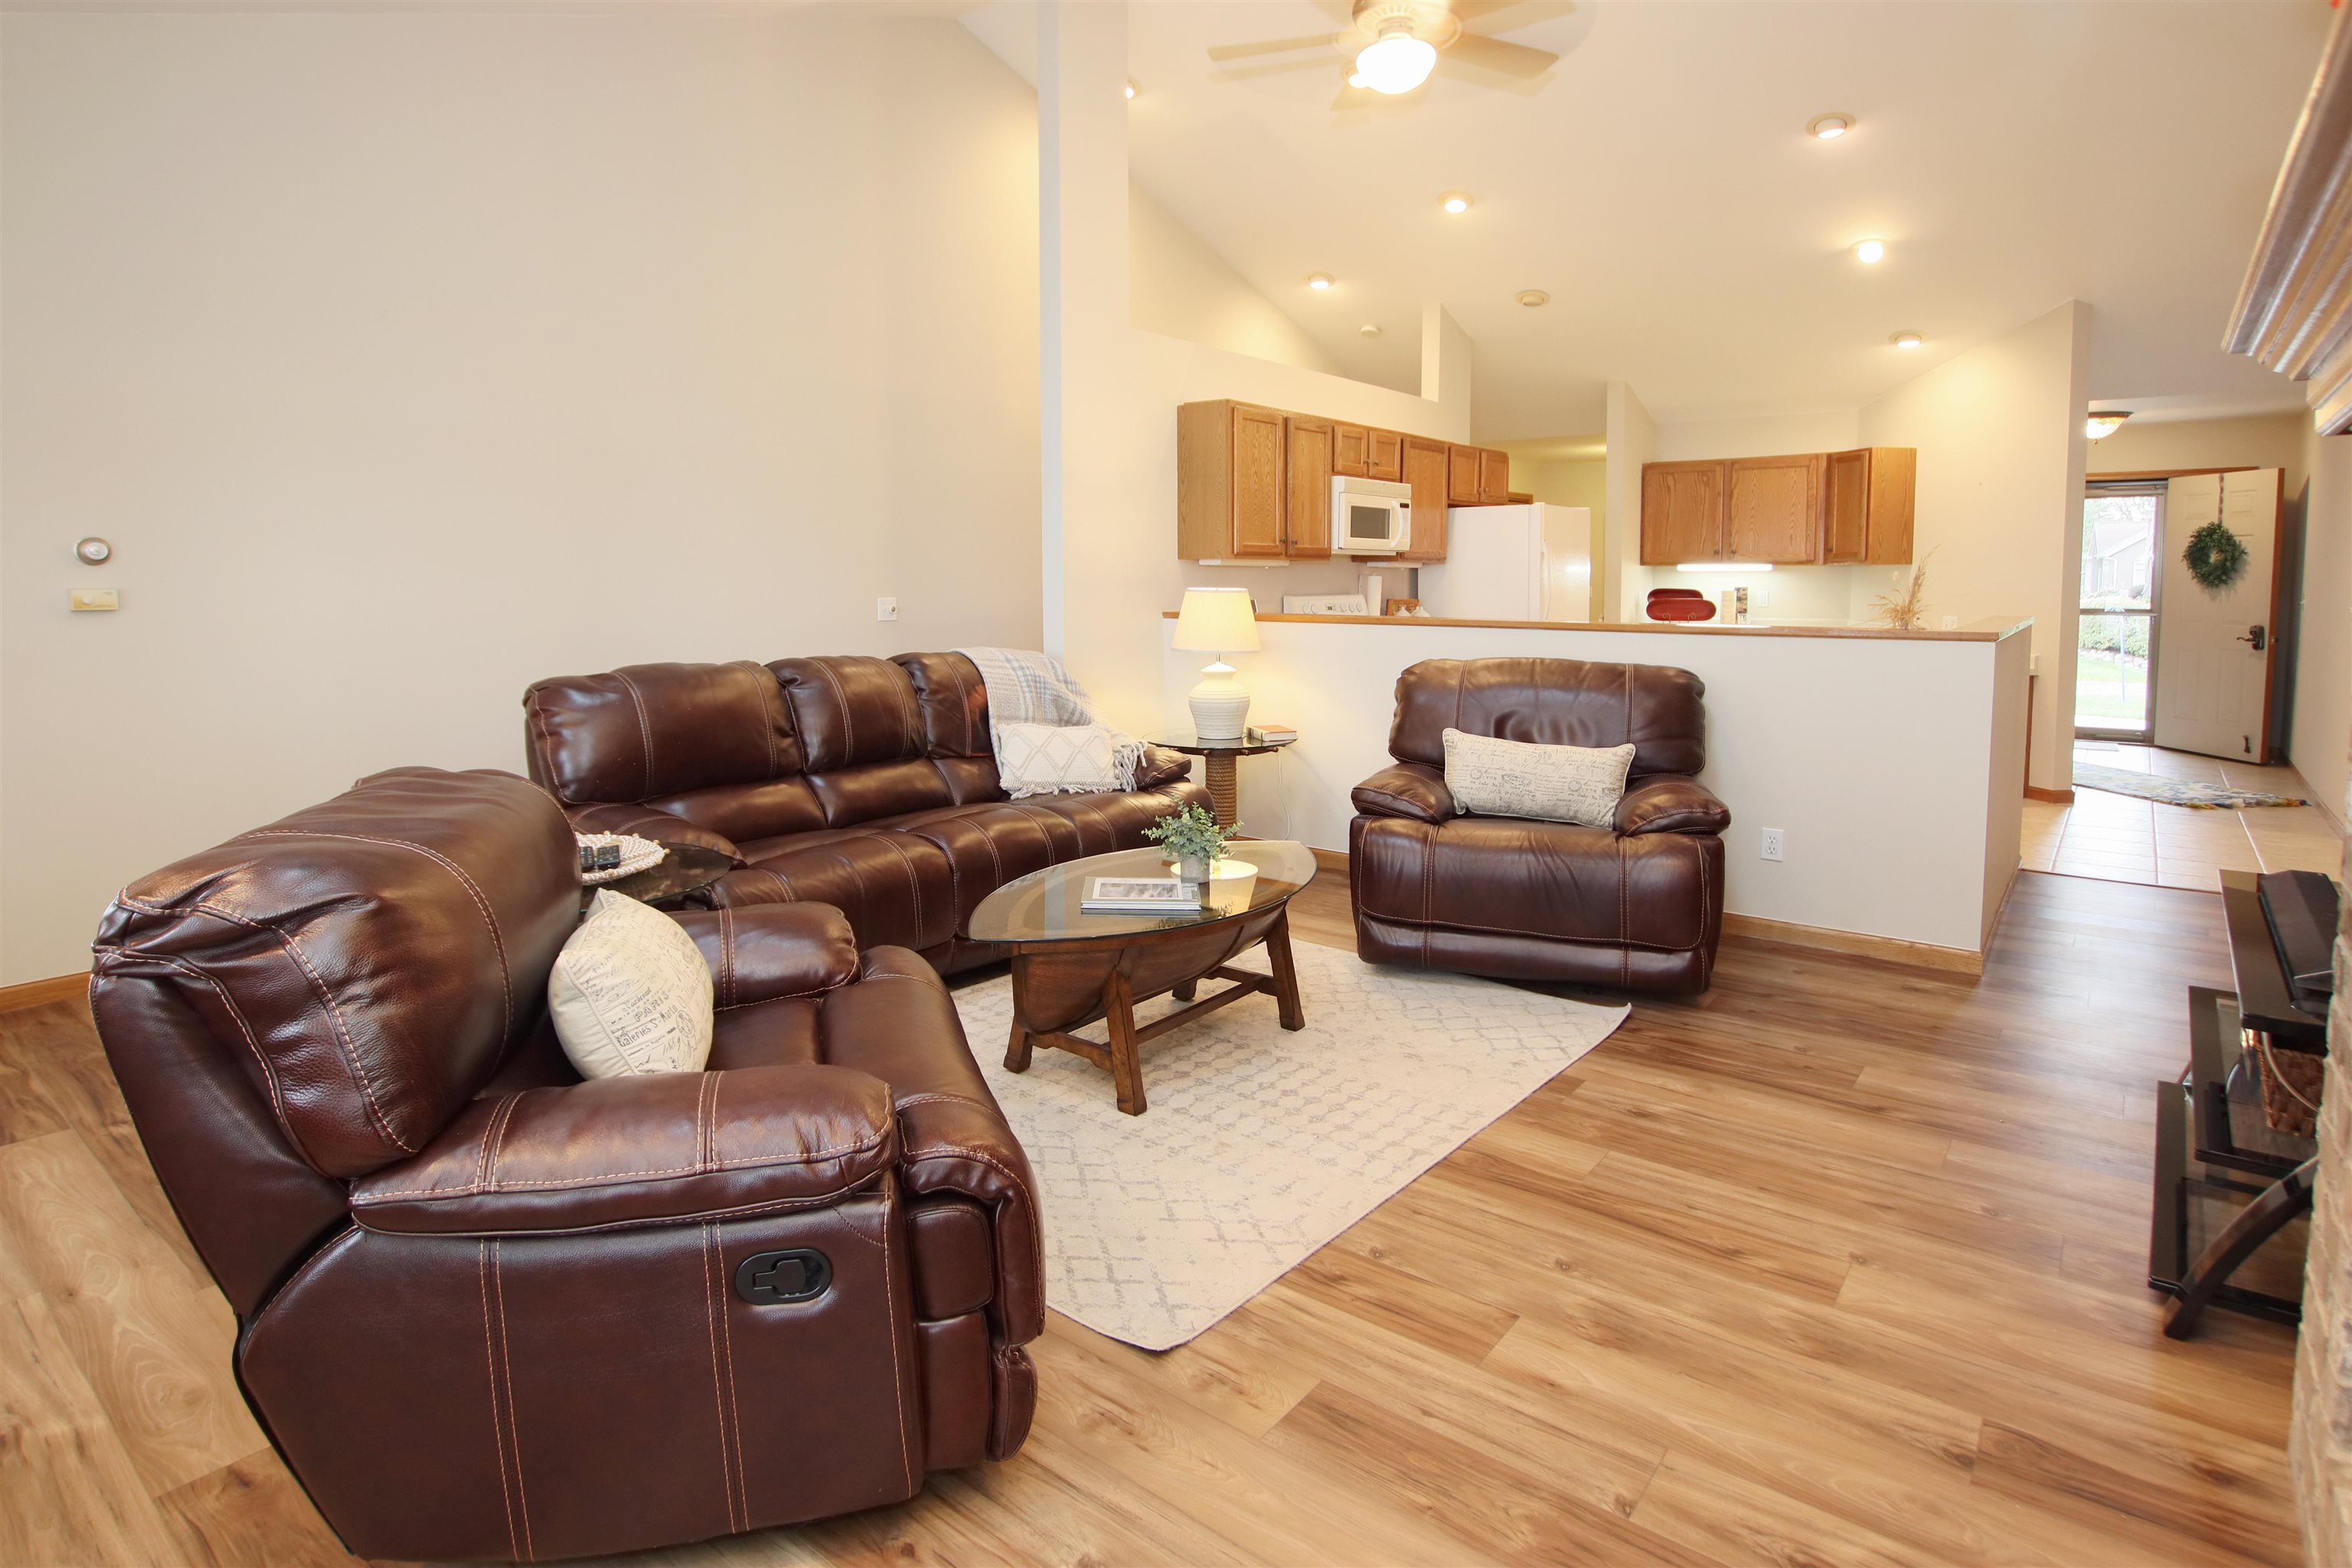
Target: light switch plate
x,y
92,599
886,609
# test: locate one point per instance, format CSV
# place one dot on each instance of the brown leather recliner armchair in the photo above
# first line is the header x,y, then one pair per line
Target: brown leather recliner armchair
x,y
487,1310
1636,907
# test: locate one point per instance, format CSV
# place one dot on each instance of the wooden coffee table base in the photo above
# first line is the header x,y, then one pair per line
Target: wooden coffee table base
x,y
1060,986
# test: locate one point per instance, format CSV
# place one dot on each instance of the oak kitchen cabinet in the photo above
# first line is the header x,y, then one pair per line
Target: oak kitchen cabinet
x,y
1254,483
1799,510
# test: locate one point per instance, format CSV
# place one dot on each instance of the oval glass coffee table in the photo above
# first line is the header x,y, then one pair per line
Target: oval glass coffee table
x,y
1071,968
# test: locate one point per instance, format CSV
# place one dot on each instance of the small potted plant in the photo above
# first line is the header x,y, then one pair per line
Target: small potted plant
x,y
1193,838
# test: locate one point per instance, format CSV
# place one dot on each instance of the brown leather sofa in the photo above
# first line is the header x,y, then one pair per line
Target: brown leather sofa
x,y
1635,907
487,1310
866,784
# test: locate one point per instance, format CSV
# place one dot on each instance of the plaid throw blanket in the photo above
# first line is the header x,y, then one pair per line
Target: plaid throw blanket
x,y
1025,687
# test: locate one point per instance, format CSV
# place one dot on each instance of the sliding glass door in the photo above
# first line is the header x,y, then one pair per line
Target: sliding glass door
x,y
2123,532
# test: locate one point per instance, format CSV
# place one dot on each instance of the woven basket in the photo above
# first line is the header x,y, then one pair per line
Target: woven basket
x,y
2291,1083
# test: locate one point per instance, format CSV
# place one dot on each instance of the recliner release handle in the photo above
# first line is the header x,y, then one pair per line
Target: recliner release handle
x,y
773,1278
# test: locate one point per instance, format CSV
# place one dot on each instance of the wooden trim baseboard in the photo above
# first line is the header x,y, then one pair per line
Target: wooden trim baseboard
x,y
2054,797
34,992
1859,944
1331,859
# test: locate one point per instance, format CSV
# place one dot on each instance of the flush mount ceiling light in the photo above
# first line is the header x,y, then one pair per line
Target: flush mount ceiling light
x,y
1396,61
1370,329
1131,87
1455,202
1531,297
2103,423
1318,280
1870,250
1906,339
1828,127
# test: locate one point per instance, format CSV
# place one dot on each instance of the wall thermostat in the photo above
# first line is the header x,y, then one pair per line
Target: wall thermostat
x,y
94,551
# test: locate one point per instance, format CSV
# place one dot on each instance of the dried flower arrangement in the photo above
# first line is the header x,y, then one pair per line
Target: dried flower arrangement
x,y
1907,611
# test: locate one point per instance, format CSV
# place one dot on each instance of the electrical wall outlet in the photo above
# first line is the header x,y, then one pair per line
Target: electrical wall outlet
x,y
1776,844
886,609
1951,623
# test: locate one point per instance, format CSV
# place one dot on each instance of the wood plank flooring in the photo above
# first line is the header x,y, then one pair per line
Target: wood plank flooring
x,y
1839,1264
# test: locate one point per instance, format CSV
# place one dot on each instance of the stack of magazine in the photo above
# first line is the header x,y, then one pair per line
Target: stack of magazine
x,y
1140,895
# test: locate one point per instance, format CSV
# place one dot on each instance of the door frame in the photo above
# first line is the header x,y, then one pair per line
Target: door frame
x,y
2095,486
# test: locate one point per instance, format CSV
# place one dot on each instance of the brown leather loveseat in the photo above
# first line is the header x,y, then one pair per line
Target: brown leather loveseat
x,y
866,784
486,1310
1637,905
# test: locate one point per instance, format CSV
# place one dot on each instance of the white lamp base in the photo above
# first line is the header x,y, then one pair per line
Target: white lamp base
x,y
1219,704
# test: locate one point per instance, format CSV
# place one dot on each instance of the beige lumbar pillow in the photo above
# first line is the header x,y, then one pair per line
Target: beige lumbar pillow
x,y
630,992
1549,783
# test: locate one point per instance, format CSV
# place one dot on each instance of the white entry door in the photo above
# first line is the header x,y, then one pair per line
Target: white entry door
x,y
2214,647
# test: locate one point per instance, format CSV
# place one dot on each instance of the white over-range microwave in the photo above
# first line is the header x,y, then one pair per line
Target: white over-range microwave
x,y
1369,517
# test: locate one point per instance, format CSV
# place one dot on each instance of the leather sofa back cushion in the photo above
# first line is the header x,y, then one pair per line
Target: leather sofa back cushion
x,y
849,711
379,953
651,730
953,699
1553,703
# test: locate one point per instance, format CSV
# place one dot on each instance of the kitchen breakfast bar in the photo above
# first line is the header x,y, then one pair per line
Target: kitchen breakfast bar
x,y
1891,762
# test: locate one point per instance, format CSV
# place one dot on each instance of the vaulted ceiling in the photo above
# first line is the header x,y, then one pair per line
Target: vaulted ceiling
x,y
1657,182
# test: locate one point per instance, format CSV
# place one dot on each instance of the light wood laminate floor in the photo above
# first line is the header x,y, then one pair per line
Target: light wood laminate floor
x,y
1839,1264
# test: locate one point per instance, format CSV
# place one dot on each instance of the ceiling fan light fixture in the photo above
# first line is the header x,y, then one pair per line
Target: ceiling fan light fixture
x,y
1906,339
1828,127
1394,62
2104,422
1870,250
1318,280
1454,201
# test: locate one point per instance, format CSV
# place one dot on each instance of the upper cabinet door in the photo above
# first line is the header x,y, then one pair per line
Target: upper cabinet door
x,y
1384,451
1845,530
1426,465
1257,448
1681,512
1493,477
1307,527
1773,509
1462,476
1351,451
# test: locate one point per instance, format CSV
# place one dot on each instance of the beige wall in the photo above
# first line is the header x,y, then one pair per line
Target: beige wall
x,y
1764,435
1181,288
1620,578
2000,434
2323,662
2264,441
407,357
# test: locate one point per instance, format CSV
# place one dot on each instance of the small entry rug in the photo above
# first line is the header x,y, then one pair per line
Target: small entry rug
x,y
1260,1145
2174,792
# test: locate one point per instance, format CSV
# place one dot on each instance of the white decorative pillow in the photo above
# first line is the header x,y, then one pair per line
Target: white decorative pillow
x,y
1549,783
1055,759
630,992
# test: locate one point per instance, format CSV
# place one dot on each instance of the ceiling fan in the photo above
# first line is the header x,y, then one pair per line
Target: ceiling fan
x,y
1394,45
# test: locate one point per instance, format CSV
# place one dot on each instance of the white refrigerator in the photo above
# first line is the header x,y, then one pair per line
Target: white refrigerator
x,y
1528,562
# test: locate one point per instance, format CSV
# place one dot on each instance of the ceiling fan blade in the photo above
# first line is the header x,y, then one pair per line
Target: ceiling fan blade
x,y
1495,55
1223,52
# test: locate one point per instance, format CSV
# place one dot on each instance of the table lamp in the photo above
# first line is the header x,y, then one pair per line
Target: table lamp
x,y
1217,621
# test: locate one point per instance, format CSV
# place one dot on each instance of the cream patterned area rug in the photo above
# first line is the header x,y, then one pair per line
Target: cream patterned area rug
x,y
1260,1145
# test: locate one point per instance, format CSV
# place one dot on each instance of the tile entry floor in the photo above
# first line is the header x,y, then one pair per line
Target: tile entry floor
x,y
2117,838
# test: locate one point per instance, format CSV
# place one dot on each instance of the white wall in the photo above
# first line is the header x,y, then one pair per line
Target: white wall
x,y
1632,441
1891,764
1181,288
2323,687
2000,434
408,356
1764,435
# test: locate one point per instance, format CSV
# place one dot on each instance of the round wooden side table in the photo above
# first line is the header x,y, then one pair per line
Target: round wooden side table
x,y
1224,797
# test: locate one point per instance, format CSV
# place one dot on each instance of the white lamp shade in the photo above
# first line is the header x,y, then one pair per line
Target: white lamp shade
x,y
1217,620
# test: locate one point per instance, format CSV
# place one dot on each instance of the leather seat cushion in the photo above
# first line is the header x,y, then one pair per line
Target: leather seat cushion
x,y
895,888
1549,880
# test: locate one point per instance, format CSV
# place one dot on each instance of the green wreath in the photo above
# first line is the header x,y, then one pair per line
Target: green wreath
x,y
2215,556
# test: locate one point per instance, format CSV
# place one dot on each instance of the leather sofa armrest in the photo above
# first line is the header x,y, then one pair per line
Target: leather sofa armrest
x,y
649,822
765,953
1161,766
646,1150
1671,803
1413,790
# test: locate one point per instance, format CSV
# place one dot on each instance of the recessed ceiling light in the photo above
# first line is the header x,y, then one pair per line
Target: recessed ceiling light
x,y
1131,87
2103,423
1870,250
1829,127
1370,329
1906,339
1534,297
1455,202
1318,280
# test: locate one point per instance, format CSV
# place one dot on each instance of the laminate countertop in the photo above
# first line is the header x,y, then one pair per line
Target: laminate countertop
x,y
1992,630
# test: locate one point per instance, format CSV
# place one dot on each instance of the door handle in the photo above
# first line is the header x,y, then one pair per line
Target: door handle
x,y
2258,637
